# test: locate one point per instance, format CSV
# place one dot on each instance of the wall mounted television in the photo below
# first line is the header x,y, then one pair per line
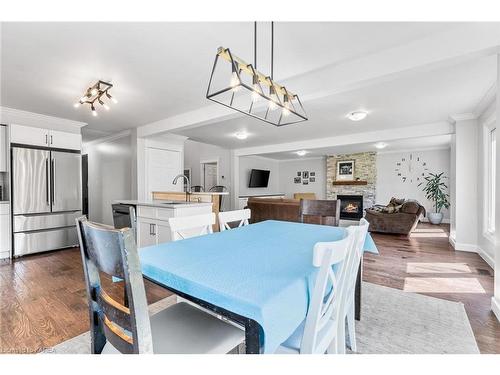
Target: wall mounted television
x,y
259,178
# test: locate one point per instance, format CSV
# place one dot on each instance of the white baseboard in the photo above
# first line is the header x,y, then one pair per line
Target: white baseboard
x,y
495,307
472,249
487,257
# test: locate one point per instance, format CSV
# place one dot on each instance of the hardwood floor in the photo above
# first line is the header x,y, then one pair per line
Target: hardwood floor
x,y
454,272
43,299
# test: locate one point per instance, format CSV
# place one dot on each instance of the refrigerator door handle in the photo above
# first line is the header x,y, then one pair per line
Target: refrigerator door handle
x,y
52,179
47,181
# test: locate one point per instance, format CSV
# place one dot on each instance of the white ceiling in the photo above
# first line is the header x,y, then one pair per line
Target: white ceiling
x,y
162,69
417,98
419,143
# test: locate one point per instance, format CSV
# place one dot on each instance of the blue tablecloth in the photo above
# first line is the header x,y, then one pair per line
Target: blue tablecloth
x,y
261,271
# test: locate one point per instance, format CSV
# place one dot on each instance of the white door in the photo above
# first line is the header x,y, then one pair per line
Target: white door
x,y
145,232
69,141
210,175
162,167
162,232
28,135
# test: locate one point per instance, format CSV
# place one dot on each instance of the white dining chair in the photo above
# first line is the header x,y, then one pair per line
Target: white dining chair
x,y
227,217
319,332
191,226
351,276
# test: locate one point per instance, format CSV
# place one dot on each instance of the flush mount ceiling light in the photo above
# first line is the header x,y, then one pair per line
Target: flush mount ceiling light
x,y
96,93
357,115
240,86
380,145
301,152
241,135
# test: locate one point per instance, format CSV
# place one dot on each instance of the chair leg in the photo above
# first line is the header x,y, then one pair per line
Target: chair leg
x,y
351,327
341,338
333,348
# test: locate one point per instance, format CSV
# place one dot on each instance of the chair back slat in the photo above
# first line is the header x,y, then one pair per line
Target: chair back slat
x,y
114,310
114,252
325,304
191,226
123,342
328,211
226,217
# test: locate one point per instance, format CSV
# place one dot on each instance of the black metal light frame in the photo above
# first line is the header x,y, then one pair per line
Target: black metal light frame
x,y
102,88
294,106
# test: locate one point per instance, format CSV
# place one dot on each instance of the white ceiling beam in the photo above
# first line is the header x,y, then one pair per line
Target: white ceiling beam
x,y
424,130
438,50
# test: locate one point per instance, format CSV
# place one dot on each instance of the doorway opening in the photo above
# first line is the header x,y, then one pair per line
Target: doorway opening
x,y
209,174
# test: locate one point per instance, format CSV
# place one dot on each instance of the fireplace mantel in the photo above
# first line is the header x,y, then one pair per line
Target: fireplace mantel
x,y
353,182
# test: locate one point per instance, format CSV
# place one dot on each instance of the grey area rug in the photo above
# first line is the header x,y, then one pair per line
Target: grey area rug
x,y
392,322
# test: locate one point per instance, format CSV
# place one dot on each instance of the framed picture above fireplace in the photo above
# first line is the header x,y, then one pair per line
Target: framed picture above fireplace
x,y
345,170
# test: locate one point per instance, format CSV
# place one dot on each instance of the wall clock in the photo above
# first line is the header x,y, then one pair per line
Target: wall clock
x,y
411,169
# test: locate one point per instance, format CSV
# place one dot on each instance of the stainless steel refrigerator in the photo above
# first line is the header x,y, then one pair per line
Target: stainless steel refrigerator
x,y
46,199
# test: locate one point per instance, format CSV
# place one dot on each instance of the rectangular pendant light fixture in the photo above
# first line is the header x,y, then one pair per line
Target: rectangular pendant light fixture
x,y
238,85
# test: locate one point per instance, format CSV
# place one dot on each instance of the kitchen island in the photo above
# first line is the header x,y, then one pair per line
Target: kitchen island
x,y
152,218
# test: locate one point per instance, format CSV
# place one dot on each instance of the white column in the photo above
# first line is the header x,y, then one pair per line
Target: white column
x,y
235,180
463,184
495,301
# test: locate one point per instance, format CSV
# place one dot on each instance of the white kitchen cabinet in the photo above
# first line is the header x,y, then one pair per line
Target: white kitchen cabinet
x,y
163,233
4,231
28,135
69,141
3,148
146,232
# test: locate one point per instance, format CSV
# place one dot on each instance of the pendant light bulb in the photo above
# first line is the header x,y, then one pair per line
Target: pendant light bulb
x,y
256,89
76,105
235,81
274,98
113,99
106,107
94,112
286,108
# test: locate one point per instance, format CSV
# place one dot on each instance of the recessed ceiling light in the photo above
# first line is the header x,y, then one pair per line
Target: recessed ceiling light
x,y
357,115
301,152
380,145
241,135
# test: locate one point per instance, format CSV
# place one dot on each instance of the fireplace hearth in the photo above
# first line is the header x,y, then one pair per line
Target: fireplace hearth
x,y
351,207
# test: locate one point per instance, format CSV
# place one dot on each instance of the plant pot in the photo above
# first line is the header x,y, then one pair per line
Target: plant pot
x,y
435,217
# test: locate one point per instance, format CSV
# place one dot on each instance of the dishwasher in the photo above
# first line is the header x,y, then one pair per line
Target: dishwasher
x,y
121,215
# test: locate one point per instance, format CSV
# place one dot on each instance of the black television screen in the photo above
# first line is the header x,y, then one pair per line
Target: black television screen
x,y
258,178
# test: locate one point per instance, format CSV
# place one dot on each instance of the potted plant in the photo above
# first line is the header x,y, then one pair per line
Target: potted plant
x,y
435,191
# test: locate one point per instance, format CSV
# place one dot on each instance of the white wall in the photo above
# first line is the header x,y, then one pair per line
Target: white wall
x,y
389,184
110,176
288,170
197,152
247,163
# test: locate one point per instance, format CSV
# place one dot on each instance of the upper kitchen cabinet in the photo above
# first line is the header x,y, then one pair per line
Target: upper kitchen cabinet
x,y
28,135
3,148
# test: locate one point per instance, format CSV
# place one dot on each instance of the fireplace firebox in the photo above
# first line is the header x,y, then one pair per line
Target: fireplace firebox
x,y
351,207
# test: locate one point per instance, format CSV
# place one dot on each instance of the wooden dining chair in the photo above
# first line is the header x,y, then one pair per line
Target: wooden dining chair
x,y
319,332
115,328
328,211
353,264
191,226
241,216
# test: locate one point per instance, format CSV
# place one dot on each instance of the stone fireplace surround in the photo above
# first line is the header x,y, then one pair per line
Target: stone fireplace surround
x,y
365,169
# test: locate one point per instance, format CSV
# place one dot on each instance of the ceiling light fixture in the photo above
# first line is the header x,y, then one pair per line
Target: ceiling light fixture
x,y
301,152
357,115
380,145
240,86
241,135
95,93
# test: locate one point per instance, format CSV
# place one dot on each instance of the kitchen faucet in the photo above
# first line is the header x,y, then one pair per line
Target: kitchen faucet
x,y
188,184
